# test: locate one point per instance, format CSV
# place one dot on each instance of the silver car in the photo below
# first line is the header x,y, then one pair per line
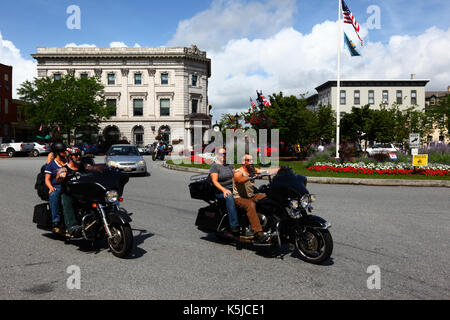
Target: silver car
x,y
126,158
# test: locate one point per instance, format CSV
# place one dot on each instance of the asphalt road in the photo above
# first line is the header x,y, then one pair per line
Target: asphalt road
x,y
404,231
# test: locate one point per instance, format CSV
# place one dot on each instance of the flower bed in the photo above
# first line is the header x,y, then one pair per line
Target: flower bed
x,y
382,168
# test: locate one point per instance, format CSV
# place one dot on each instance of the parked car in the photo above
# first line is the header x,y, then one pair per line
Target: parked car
x,y
126,158
12,148
40,149
87,148
381,148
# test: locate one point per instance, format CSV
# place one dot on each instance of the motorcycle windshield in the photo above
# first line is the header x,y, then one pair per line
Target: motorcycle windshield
x,y
286,184
94,184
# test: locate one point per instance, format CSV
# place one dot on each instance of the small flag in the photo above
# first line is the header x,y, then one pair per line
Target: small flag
x,y
252,104
349,18
41,127
351,46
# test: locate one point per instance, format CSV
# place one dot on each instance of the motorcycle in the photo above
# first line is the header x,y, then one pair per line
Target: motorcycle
x,y
285,216
96,199
160,153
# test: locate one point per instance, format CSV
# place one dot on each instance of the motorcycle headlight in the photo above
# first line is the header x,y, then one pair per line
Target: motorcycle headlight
x,y
307,200
112,196
294,204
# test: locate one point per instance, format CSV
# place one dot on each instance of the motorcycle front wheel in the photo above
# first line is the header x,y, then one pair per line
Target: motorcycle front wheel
x,y
121,241
313,245
154,156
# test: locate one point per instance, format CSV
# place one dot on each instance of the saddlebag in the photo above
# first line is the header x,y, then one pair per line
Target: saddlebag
x,y
42,215
201,188
209,218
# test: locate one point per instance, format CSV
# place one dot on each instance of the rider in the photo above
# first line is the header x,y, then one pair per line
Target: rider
x,y
65,174
51,170
222,177
244,196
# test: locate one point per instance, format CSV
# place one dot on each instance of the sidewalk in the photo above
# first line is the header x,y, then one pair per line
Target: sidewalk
x,y
354,181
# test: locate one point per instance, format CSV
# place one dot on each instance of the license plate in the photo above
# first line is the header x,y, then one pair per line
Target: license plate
x,y
127,169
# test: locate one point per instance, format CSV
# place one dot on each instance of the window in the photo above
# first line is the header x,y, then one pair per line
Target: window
x,y
385,97
57,76
138,107
112,102
84,75
137,78
6,106
357,100
194,105
399,97
194,80
371,97
138,136
164,109
111,79
413,97
6,81
164,78
342,100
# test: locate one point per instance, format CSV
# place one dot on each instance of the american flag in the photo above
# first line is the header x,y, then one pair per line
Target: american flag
x,y
252,104
349,18
265,101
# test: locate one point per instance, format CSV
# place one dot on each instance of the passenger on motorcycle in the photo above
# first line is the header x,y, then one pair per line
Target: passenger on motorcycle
x,y
222,178
53,185
65,174
244,196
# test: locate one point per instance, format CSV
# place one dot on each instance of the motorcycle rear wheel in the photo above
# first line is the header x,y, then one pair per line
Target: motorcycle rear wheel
x,y
314,245
121,242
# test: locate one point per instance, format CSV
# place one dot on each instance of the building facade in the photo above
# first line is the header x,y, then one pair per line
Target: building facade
x,y
357,93
432,98
157,92
6,114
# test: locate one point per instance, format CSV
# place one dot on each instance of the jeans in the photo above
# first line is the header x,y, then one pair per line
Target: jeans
x,y
231,208
69,215
54,199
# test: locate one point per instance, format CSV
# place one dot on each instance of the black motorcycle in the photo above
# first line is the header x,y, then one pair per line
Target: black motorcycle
x,y
160,152
284,215
96,199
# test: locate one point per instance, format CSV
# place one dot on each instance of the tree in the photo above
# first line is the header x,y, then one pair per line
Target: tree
x,y
67,104
440,115
326,122
229,121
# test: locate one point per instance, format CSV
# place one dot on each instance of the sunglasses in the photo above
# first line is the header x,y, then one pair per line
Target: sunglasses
x,y
222,154
248,160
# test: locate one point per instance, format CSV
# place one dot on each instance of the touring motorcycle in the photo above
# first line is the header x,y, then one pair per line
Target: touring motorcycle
x,y
96,199
285,216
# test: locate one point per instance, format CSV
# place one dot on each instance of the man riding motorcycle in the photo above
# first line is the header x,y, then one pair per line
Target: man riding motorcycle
x,y
65,174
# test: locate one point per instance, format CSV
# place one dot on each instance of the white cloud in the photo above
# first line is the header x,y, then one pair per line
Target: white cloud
x,y
117,44
23,69
295,63
230,19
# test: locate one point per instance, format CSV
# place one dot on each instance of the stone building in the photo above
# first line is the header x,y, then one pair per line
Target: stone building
x,y
157,91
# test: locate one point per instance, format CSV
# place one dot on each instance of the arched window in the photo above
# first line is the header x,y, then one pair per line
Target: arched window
x,y
138,136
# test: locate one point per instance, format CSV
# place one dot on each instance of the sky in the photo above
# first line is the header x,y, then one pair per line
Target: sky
x,y
287,46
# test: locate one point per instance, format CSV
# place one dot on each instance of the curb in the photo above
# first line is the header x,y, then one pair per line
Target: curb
x,y
354,181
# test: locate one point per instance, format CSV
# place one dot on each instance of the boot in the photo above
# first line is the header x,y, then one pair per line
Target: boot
x,y
260,237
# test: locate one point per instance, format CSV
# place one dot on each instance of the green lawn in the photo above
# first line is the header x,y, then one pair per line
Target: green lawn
x,y
300,168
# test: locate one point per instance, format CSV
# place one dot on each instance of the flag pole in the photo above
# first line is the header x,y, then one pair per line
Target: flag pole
x,y
338,95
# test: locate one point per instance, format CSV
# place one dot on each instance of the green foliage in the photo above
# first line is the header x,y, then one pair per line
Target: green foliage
x,y
440,114
69,103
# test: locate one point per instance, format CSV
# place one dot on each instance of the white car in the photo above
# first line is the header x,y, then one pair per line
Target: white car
x,y
381,148
40,148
